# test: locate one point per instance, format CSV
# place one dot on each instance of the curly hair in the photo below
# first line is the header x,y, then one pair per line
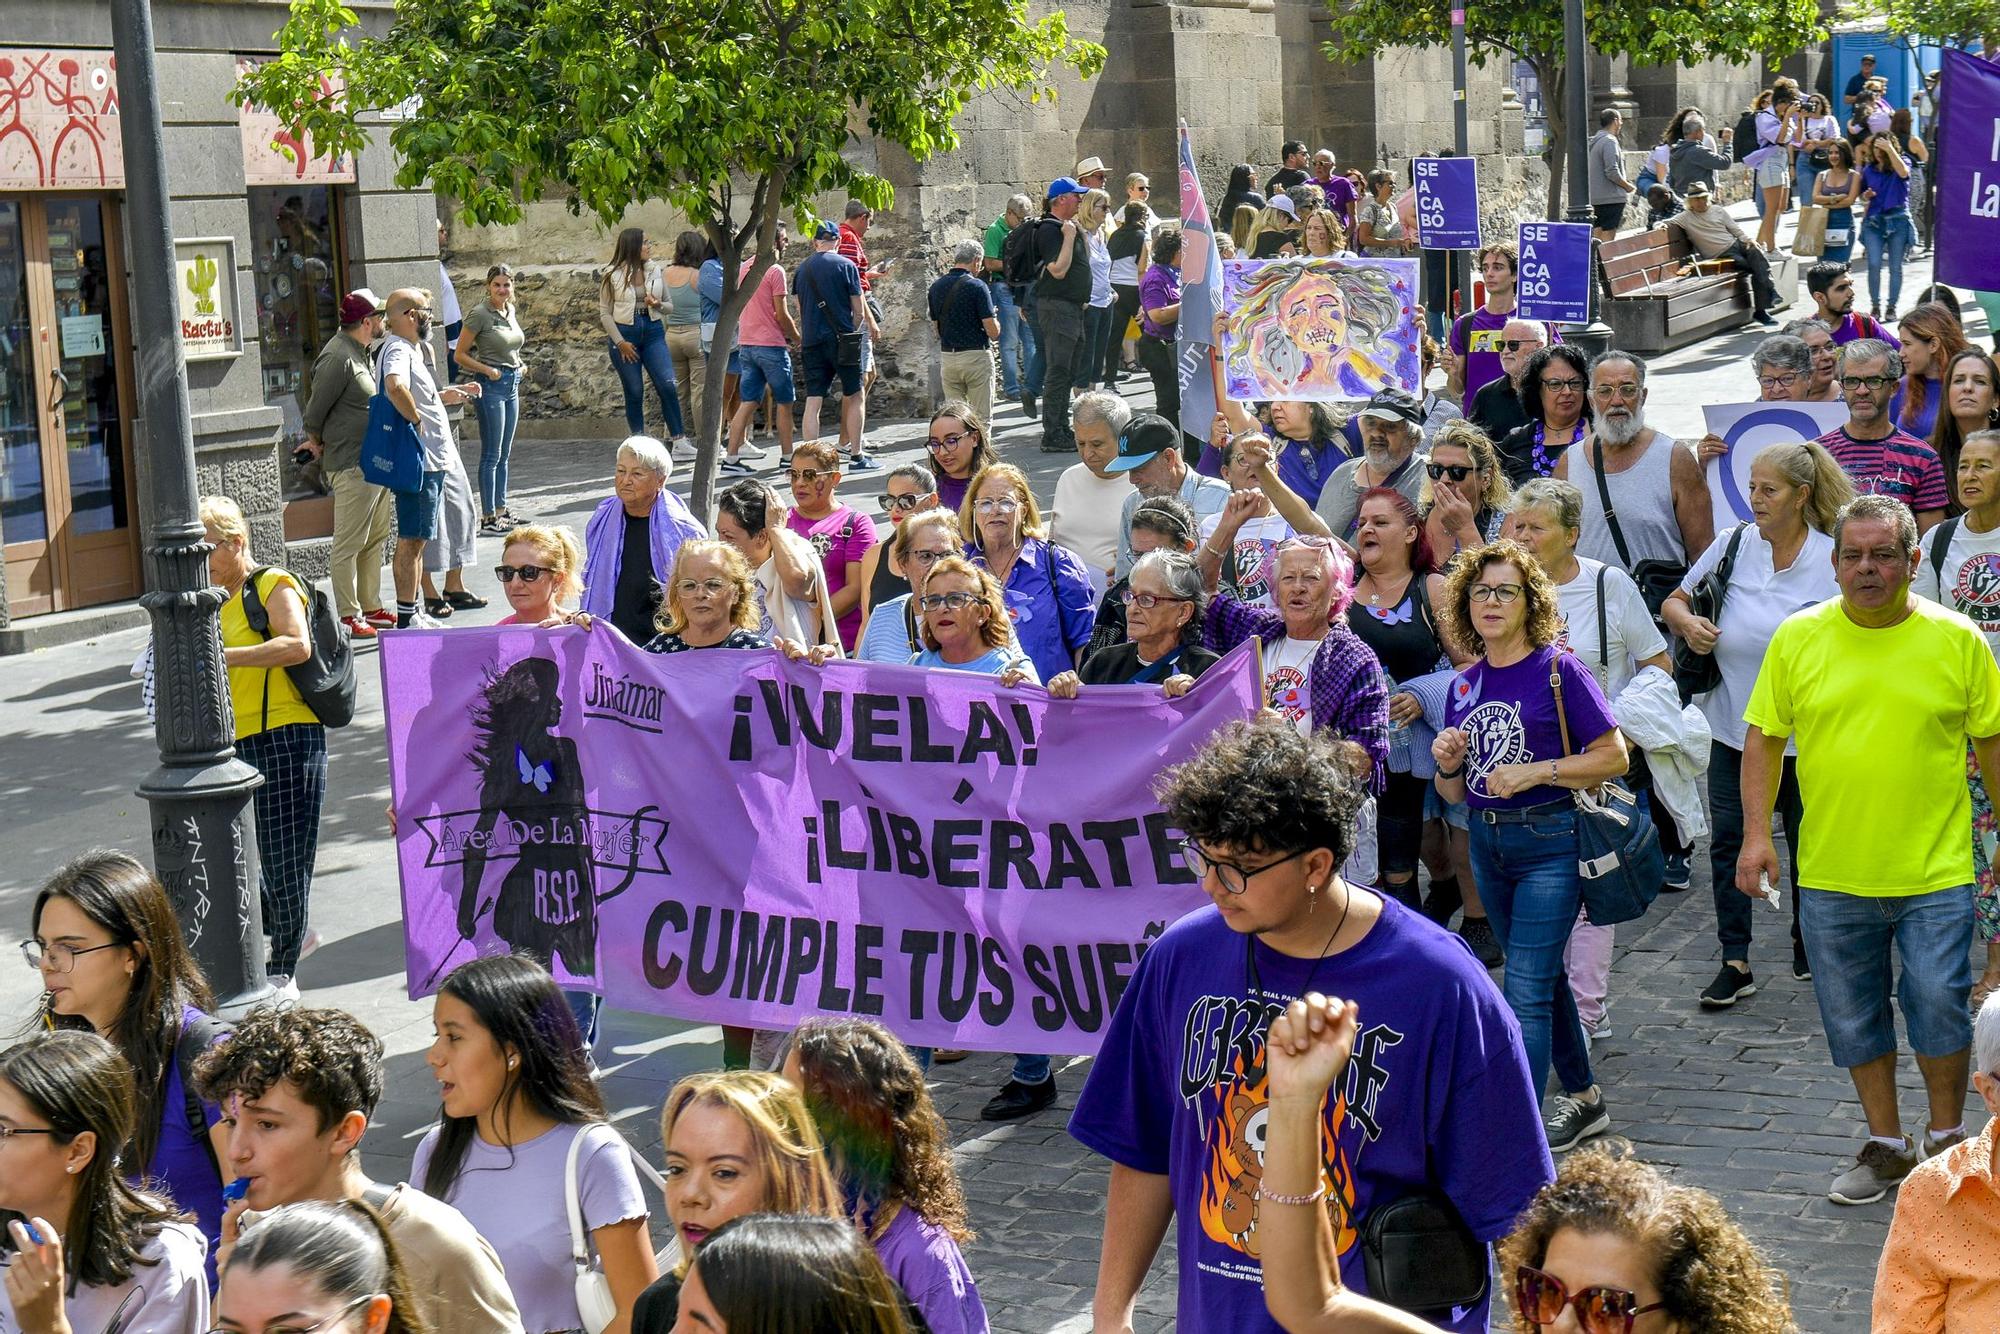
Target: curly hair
x,y
885,1139
1544,620
671,618
1262,786
1531,378
1710,1276
997,630
1262,347
329,1059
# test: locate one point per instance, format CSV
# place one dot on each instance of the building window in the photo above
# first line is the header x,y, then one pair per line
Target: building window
x,y
295,241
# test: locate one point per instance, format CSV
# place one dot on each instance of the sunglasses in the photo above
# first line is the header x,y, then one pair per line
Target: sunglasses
x,y
889,502
1542,1299
527,574
1457,472
806,475
1516,344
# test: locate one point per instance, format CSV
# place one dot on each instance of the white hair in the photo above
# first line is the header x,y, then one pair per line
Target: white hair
x,y
1540,330
1986,1037
967,252
650,454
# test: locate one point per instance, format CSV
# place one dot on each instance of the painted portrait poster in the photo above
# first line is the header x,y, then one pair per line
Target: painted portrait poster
x,y
1328,330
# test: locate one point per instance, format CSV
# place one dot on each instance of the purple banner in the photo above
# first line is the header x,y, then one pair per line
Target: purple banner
x,y
1447,202
1968,167
727,836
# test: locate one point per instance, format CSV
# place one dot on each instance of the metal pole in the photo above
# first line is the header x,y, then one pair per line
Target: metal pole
x,y
198,793
1461,142
1595,336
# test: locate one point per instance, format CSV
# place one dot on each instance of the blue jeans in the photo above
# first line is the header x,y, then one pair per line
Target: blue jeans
x,y
1528,880
584,1005
1887,237
649,336
499,409
1805,174
1017,340
1850,938
1036,1069
1031,329
1096,334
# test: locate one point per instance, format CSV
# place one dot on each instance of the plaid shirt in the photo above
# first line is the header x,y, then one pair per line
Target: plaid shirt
x,y
1350,695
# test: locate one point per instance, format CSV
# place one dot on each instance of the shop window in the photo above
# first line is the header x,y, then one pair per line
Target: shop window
x,y
295,241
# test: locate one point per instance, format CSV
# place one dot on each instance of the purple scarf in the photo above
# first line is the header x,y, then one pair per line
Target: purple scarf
x,y
669,524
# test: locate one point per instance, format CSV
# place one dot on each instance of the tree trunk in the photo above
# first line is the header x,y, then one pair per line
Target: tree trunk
x,y
736,294
1555,88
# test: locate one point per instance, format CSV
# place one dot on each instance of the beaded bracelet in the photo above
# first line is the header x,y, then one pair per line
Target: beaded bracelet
x,y
1276,1198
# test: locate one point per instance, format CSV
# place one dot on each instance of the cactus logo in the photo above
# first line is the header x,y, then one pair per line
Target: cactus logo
x,y
207,270
200,281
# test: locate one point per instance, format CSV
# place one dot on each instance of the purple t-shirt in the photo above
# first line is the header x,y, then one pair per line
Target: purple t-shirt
x,y
1855,325
1161,286
843,535
1340,196
1509,717
1438,1078
951,490
180,1162
1476,338
922,1257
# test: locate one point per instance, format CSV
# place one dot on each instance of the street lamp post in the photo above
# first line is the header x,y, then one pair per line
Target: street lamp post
x,y
1594,337
198,793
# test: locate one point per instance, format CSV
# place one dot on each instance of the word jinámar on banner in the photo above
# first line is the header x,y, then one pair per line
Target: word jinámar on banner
x,y
730,837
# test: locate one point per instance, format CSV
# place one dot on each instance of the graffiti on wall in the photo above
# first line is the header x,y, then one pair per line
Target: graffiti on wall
x,y
58,120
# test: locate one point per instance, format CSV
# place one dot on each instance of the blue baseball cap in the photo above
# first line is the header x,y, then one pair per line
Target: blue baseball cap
x,y
1066,185
826,231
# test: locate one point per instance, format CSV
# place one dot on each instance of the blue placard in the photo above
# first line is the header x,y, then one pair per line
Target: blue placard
x,y
1448,203
1555,272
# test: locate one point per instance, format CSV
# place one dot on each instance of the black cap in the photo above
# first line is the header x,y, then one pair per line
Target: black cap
x,y
1394,403
1143,437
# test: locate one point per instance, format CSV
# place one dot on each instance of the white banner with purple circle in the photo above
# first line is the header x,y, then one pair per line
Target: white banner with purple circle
x,y
1747,428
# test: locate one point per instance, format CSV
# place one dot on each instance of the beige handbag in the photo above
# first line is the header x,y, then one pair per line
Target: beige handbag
x,y
1811,238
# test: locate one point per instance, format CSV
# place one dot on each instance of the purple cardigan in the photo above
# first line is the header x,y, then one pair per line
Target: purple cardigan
x,y
604,546
1350,696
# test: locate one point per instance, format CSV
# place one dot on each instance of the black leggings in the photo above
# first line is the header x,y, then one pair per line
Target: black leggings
x,y
1399,834
1157,356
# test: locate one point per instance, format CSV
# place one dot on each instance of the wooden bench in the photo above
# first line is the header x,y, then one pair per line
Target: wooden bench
x,y
1652,308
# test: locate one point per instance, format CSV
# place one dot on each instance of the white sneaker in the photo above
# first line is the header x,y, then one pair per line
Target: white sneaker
x,y
684,450
311,943
284,989
423,620
750,453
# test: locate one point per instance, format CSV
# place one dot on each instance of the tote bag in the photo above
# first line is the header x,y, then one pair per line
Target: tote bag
x,y
1811,238
391,454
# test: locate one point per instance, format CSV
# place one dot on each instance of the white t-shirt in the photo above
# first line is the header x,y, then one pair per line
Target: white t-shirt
x,y
1256,557
1631,637
1288,666
171,1287
403,358
1086,519
1099,251
1759,598
1972,572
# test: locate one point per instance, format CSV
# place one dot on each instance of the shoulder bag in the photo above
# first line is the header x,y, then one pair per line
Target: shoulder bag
x,y
1420,1257
594,1303
1696,673
1657,579
847,346
1618,859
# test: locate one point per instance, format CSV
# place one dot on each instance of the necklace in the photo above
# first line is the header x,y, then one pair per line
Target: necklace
x,y
1375,599
1543,462
1255,984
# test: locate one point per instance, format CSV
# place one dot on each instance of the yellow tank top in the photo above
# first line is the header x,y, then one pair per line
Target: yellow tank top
x,y
248,684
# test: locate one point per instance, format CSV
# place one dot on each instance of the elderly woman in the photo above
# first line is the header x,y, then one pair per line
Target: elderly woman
x,y
710,601
1379,229
959,450
792,601
1164,609
1554,387
1609,629
1937,1267
1316,672
1518,746
1160,523
1464,496
921,541
1784,561
277,732
910,489
630,541
1048,595
540,569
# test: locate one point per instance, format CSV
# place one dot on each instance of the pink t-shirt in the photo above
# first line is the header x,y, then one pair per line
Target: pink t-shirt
x,y
758,325
843,535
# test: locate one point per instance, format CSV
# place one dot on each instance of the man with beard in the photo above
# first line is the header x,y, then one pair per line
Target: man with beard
x,y
1832,291
1880,459
1149,454
1497,409
1391,429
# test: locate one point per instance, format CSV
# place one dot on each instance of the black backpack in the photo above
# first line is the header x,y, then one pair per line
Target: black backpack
x,y
1018,262
326,679
1744,141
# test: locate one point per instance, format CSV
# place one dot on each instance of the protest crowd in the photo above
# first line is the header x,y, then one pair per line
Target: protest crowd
x,y
1509,667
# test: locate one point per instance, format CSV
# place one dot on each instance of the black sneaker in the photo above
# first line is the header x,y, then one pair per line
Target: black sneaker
x,y
1731,984
1442,899
1028,405
1478,933
1763,317
1575,1121
1680,873
1800,968
1016,1100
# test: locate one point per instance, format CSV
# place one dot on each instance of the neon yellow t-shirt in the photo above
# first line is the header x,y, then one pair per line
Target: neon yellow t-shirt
x,y
1882,718
246,684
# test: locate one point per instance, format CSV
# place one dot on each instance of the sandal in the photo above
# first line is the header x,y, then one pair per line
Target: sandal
x,y
437,607
464,599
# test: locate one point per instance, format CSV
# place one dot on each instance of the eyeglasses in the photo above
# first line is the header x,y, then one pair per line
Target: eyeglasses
x,y
1234,879
1005,505
1516,344
946,601
1606,393
928,558
527,574
889,502
1146,601
1501,593
1542,1299
1457,472
806,475
8,1132
59,958
1776,381
317,1325
951,441
1563,386
1852,382
687,588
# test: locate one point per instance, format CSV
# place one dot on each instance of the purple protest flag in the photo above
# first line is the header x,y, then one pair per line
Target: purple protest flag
x,y
1968,173
730,837
1201,298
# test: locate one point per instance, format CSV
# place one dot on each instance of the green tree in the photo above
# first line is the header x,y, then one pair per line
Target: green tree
x,y
1664,33
733,111
1966,23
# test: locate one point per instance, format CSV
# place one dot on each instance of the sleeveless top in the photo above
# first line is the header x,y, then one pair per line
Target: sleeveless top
x,y
1403,642
887,583
1642,496
683,304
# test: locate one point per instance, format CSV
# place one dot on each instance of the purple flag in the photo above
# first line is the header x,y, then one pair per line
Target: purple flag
x,y
1968,167
1201,298
727,836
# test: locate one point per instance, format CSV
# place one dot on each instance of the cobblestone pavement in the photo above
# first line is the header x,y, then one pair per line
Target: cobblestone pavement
x,y
1744,1103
